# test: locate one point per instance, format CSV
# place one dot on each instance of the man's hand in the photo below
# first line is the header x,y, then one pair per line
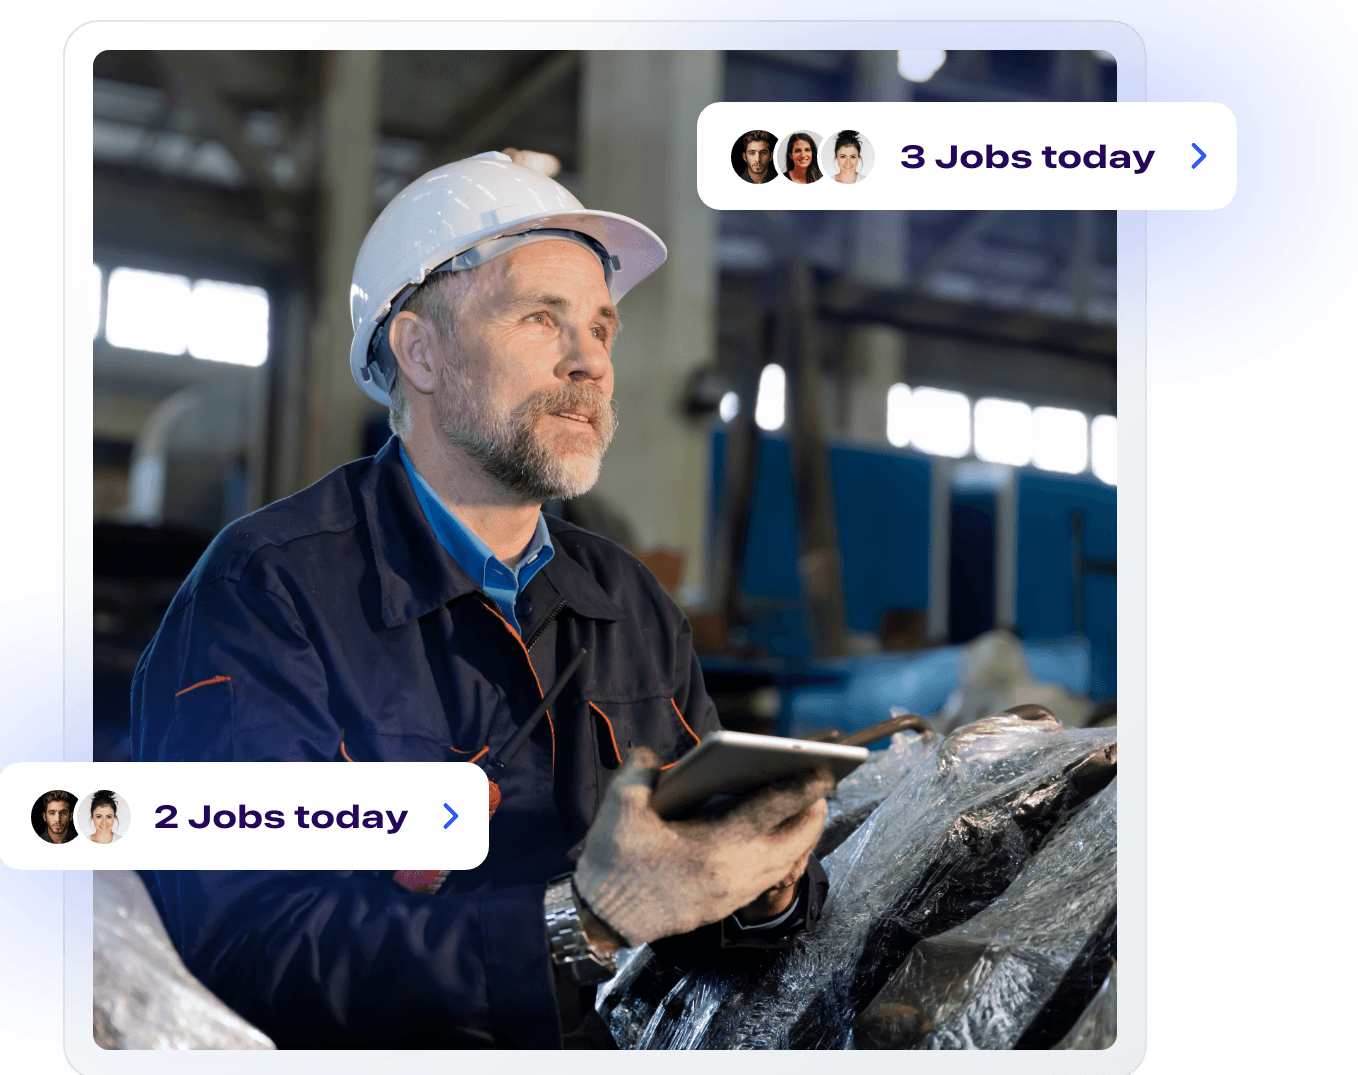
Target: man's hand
x,y
646,878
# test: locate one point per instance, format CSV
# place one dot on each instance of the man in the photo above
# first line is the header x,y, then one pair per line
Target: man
x,y
757,152
416,606
57,807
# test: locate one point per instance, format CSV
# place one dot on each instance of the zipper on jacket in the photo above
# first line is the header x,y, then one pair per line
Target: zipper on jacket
x,y
560,604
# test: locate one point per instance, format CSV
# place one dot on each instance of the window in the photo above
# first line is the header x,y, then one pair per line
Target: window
x,y
164,313
1004,431
898,415
1060,440
940,422
1103,440
229,323
771,403
148,311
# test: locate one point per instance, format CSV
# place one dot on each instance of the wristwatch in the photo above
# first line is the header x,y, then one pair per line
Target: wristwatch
x,y
577,962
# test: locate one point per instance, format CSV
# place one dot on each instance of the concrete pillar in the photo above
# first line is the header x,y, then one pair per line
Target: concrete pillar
x,y
879,256
638,147
336,409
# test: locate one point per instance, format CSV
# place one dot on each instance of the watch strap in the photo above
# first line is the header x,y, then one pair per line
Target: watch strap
x,y
575,959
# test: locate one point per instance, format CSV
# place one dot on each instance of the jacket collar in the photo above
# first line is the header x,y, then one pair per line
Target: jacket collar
x,y
415,573
584,596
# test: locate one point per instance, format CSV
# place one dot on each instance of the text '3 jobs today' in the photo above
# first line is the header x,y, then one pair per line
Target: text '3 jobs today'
x,y
913,156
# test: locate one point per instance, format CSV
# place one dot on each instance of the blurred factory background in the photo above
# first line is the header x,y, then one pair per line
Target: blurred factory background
x,y
850,443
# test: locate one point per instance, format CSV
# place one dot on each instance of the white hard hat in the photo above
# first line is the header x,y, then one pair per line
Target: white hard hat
x,y
447,212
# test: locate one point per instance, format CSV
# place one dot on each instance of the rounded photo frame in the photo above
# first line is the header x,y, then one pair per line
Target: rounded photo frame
x,y
86,825
45,827
739,162
829,163
780,153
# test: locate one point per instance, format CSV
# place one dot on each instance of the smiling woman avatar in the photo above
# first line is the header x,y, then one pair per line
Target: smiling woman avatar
x,y
801,159
104,814
848,149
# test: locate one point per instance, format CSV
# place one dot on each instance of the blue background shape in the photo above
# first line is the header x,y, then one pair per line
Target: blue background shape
x,y
1251,314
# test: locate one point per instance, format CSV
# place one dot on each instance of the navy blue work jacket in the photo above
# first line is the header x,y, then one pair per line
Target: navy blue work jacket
x,y
332,626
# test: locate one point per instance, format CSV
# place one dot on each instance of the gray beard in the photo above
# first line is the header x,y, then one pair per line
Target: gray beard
x,y
507,447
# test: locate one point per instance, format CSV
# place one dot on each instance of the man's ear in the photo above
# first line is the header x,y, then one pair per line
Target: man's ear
x,y
415,343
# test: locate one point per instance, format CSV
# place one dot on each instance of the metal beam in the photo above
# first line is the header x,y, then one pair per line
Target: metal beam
x,y
929,316
197,81
495,111
967,233
190,227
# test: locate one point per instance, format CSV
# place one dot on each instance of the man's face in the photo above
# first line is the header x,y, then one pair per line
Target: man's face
x,y
58,818
757,157
527,380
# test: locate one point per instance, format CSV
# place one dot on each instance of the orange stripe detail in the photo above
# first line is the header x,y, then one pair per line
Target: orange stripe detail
x,y
684,723
541,694
664,767
616,752
344,752
478,754
204,683
456,751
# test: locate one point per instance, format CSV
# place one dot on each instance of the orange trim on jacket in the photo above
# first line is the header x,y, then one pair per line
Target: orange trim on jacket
x,y
684,722
616,752
541,693
204,683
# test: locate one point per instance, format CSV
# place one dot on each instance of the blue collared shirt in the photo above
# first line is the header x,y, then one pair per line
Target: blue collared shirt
x,y
504,584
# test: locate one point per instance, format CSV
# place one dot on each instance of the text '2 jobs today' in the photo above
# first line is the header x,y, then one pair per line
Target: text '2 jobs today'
x,y
1134,160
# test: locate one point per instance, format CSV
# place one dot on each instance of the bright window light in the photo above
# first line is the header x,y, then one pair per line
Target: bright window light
x,y
771,402
98,287
919,65
1103,439
147,311
229,323
1004,431
1060,440
940,422
729,406
898,415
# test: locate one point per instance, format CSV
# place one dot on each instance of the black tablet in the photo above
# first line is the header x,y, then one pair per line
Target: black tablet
x,y
730,763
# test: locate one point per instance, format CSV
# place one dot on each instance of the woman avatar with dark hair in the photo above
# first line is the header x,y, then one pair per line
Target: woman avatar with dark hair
x,y
848,149
103,812
801,159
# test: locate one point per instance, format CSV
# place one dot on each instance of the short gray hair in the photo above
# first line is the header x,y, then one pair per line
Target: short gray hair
x,y
439,299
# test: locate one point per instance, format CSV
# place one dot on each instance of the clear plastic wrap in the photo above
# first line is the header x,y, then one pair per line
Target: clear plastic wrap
x,y
144,997
628,1001
996,676
1013,976
862,791
1097,1027
947,841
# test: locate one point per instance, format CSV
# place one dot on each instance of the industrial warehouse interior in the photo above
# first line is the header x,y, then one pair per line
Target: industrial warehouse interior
x,y
872,456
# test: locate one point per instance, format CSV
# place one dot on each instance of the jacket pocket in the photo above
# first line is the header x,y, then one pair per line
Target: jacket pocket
x,y
648,722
